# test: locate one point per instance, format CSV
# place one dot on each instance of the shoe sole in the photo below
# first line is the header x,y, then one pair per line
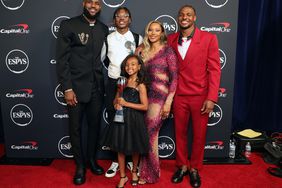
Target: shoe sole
x,y
111,175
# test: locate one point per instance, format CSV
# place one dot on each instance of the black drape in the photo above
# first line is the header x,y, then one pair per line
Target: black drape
x,y
258,81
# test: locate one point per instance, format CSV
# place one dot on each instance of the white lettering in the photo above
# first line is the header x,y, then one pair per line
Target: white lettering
x,y
17,61
216,29
59,116
21,114
66,146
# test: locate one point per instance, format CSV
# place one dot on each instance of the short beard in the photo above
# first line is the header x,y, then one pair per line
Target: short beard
x,y
88,15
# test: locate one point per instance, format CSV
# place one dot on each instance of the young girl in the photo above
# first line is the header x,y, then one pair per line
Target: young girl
x,y
130,137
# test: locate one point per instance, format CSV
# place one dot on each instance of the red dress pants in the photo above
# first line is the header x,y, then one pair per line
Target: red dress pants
x,y
184,108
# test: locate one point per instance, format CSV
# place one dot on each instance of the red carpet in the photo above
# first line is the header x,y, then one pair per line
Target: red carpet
x,y
59,174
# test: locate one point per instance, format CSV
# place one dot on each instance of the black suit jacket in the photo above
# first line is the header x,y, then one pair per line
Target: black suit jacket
x,y
78,56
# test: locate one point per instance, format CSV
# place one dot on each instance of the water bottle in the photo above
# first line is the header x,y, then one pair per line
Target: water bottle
x,y
248,149
232,149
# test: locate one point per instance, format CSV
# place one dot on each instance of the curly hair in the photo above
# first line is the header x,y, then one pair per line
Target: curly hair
x,y
141,75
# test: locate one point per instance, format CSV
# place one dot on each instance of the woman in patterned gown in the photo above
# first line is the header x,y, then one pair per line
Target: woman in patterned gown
x,y
161,64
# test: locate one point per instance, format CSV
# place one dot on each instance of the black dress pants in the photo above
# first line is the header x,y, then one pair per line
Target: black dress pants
x,y
111,91
93,112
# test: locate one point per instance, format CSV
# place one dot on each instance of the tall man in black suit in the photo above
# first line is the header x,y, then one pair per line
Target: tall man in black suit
x,y
80,74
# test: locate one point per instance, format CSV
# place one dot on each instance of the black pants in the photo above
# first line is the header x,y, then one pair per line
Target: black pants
x,y
93,112
111,91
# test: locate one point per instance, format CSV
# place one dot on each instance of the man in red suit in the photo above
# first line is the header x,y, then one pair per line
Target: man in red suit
x,y
197,91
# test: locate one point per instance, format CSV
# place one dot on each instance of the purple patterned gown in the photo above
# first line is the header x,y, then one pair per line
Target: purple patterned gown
x,y
162,72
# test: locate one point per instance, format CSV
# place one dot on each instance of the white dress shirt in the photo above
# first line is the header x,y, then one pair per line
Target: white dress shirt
x,y
182,49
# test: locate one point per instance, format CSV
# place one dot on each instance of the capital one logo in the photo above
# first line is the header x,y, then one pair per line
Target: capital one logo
x,y
214,145
105,116
64,147
169,23
17,61
59,95
21,93
12,4
21,115
221,27
28,145
113,3
53,62
222,58
216,3
61,116
166,146
111,27
21,28
56,25
215,116
222,92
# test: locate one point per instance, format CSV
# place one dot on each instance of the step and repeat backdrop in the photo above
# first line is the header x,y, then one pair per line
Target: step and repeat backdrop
x,y
32,103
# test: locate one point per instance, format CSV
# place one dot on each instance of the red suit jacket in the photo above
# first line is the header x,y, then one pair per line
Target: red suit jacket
x,y
199,72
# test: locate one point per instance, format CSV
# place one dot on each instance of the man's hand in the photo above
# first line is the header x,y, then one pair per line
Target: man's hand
x,y
70,98
207,107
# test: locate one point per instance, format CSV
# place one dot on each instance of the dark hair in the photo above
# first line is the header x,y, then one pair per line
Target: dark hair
x,y
121,8
187,6
141,75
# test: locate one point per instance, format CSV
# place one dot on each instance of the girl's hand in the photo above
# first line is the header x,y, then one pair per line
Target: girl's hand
x,y
165,111
139,49
118,107
121,101
115,101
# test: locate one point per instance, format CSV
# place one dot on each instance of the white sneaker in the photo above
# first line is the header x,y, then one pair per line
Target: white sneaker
x,y
129,165
111,172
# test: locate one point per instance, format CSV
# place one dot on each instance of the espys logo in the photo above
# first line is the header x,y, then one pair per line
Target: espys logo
x,y
215,145
166,146
12,4
16,29
105,116
28,145
222,93
113,3
17,61
222,27
64,147
56,25
21,93
59,95
169,23
222,58
21,115
216,3
215,116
